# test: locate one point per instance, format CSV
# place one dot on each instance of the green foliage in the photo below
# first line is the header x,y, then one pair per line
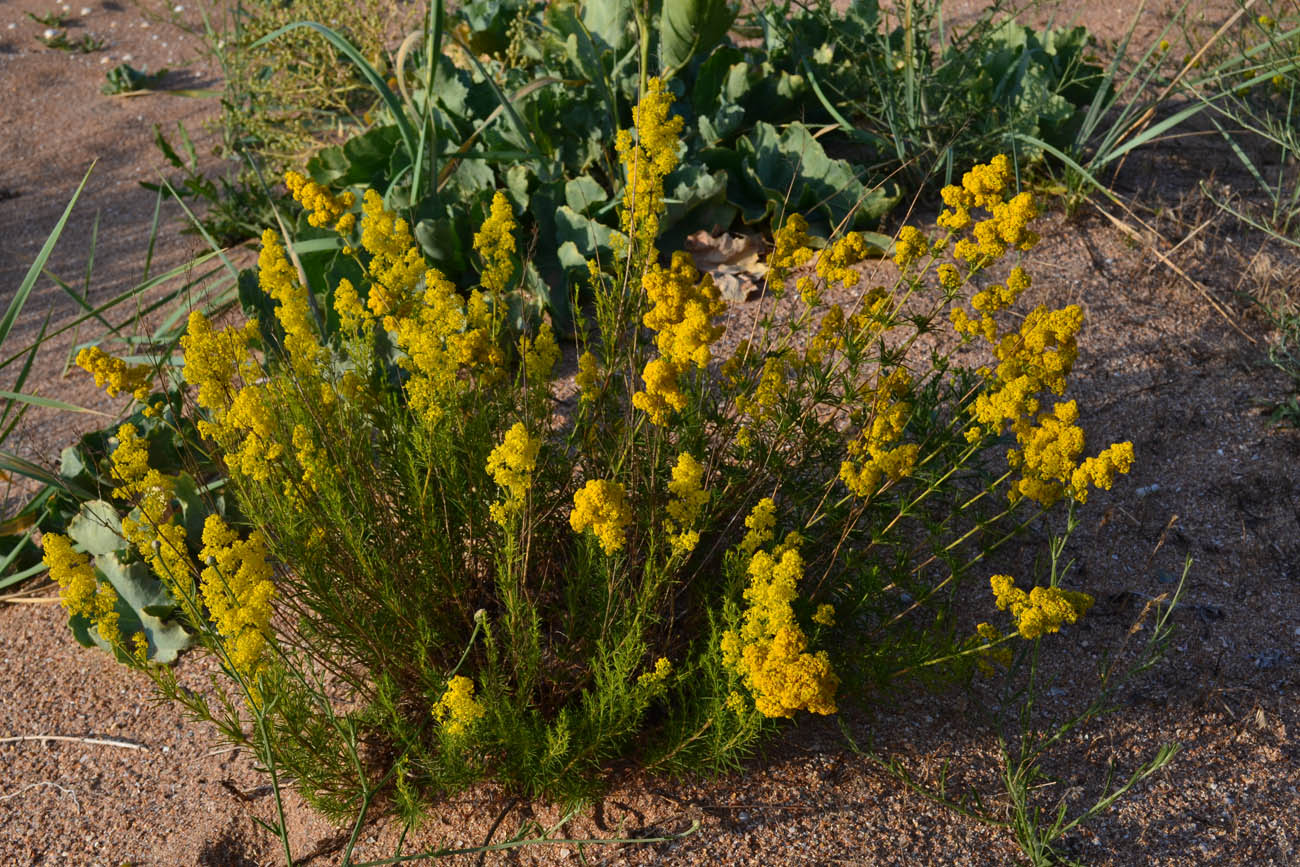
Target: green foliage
x,y
690,29
59,41
237,204
471,578
143,604
527,97
926,104
125,78
286,99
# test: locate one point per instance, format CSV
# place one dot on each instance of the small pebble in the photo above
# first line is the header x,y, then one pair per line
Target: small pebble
x,y
50,33
85,10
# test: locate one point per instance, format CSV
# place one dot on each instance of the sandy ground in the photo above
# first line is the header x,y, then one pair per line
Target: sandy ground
x,y
1159,364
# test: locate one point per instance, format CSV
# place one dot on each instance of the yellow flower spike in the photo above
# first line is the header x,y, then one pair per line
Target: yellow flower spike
x,y
104,614
688,500
663,394
910,247
496,246
140,648
685,303
588,376
237,589
1100,472
216,360
539,354
735,703
657,677
114,375
347,303
835,264
791,248
511,465
646,161
396,264
324,208
279,280
760,524
1042,610
602,505
458,710
769,651
72,572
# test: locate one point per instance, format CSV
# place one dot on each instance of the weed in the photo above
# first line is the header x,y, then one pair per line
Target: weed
x,y
497,585
59,41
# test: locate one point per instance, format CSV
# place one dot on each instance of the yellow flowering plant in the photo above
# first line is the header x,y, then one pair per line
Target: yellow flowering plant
x,y
504,574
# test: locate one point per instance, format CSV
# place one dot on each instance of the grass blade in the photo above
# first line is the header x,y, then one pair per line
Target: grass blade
x,y
373,78
29,281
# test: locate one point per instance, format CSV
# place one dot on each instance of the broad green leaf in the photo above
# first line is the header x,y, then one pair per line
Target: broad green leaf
x,y
584,192
97,528
691,28
609,21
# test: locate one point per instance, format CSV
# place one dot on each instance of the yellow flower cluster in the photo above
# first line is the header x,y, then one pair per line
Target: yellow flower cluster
x,y
663,393
688,499
153,529
684,307
910,246
877,456
647,160
771,389
439,333
835,264
325,209
656,678
396,264
278,279
1034,359
242,419
1042,609
770,650
113,374
759,525
588,376
312,459
1007,227
215,361
1039,359
495,243
458,710
539,354
104,617
1100,472
602,505
80,591
792,247
73,573
436,343
237,589
511,466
